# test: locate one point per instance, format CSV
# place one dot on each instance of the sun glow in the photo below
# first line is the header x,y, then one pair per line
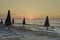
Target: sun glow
x,y
30,18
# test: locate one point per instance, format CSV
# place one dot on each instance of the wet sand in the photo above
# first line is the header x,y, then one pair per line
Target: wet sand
x,y
18,34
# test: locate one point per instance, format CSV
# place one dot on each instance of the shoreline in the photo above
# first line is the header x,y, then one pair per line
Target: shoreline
x,y
21,34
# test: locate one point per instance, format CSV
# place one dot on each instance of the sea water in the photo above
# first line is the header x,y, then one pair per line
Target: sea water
x,y
28,35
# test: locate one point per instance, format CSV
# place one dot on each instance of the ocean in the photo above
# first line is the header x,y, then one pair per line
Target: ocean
x,y
33,32
40,22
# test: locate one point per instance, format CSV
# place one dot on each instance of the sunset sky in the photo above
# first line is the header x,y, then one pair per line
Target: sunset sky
x,y
33,9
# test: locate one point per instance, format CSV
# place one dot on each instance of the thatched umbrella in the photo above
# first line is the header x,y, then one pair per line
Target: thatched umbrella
x,y
8,19
13,21
23,21
1,21
47,23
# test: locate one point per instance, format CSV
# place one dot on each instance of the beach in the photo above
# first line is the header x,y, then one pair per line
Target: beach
x,y
29,32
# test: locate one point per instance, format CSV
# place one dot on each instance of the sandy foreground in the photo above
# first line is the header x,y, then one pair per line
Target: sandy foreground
x,y
17,34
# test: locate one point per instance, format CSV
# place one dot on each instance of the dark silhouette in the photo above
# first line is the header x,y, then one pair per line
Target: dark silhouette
x,y
8,19
1,21
13,21
47,23
24,22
